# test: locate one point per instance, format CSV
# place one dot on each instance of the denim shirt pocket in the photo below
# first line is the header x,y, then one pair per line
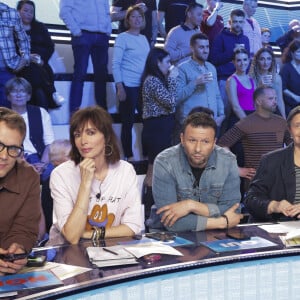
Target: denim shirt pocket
x,y
187,193
212,194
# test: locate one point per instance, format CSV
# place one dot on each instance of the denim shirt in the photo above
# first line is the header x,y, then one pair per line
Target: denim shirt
x,y
173,180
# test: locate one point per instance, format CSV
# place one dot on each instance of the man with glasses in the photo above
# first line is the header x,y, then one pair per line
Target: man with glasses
x,y
19,194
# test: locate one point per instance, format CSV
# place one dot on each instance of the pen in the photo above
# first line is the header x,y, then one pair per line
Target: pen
x,y
110,251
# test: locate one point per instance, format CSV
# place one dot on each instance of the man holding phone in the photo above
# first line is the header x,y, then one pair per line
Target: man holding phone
x,y
19,195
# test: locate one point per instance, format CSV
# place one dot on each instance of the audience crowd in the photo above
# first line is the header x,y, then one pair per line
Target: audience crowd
x,y
220,118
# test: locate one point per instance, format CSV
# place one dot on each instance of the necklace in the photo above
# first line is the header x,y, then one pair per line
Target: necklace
x,y
98,195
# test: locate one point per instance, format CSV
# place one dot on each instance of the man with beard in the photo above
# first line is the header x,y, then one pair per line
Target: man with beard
x,y
197,82
260,132
196,183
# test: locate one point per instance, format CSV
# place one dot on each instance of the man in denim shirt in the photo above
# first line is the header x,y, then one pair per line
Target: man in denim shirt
x,y
196,184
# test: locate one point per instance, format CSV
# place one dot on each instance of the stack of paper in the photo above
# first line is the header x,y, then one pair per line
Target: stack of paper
x,y
113,256
292,238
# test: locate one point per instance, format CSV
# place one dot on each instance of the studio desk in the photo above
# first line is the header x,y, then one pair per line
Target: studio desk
x,y
268,273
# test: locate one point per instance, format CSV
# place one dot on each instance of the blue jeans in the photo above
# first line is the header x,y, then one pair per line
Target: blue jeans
x,y
127,110
96,45
5,75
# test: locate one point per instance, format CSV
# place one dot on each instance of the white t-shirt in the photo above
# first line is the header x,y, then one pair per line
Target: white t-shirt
x,y
47,129
119,192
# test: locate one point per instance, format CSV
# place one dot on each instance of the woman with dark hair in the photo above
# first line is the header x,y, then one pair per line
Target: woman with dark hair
x,y
263,71
240,87
130,53
39,73
290,74
95,193
159,99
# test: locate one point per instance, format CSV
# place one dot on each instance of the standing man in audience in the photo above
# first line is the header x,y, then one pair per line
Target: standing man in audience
x,y
196,183
260,132
221,54
212,23
90,26
173,12
178,39
14,47
119,9
197,82
20,203
251,28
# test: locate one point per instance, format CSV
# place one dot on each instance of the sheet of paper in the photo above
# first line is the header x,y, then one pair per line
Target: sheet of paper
x,y
282,227
151,248
62,271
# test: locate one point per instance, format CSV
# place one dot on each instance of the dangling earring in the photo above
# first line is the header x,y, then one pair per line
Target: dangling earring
x,y
108,152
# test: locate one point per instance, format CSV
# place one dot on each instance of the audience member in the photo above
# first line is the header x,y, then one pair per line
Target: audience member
x,y
59,151
38,73
95,194
39,133
128,62
251,28
20,193
118,12
293,32
260,132
265,38
172,12
212,23
90,26
196,183
15,47
263,71
159,100
274,193
197,82
290,74
222,52
178,39
240,87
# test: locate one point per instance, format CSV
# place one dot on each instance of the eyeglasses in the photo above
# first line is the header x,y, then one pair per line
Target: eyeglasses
x,y
12,151
20,92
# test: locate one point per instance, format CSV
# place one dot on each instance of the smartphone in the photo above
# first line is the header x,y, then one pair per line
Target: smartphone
x,y
36,260
13,256
237,235
161,236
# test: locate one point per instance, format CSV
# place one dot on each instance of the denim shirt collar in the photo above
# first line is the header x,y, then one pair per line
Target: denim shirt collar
x,y
186,167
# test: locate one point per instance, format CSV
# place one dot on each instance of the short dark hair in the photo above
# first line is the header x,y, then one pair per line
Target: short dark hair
x,y
237,13
199,119
13,120
202,109
261,91
197,36
102,120
192,6
295,111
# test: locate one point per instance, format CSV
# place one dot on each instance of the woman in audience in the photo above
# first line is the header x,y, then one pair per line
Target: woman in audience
x,y
290,74
240,87
159,99
129,57
274,193
39,73
263,71
95,193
